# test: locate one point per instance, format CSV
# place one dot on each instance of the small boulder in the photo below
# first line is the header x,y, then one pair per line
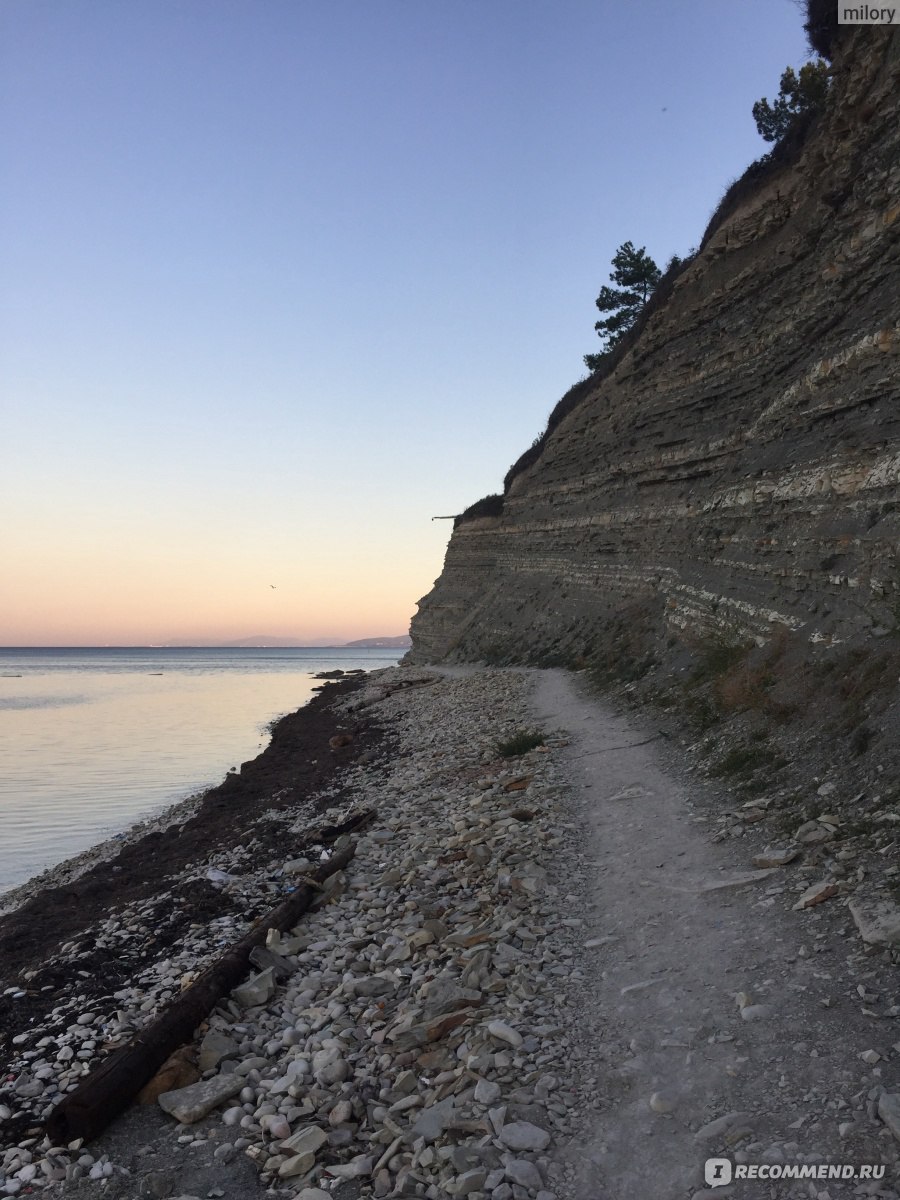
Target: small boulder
x,y
214,1047
877,919
432,1121
505,1033
298,1164
305,1141
524,1173
816,894
522,1135
190,1104
775,857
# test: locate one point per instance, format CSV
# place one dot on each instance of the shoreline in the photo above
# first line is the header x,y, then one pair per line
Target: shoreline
x,y
548,973
180,810
101,755
441,771
70,869
296,763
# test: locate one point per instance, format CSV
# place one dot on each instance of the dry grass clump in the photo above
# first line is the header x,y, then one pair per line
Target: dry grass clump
x,y
520,743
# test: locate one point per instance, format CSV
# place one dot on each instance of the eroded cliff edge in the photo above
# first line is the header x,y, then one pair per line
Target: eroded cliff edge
x,y
738,471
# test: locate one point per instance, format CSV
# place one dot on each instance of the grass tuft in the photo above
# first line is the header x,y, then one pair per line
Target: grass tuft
x,y
520,743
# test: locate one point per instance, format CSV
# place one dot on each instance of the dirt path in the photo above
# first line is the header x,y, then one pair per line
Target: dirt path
x,y
680,927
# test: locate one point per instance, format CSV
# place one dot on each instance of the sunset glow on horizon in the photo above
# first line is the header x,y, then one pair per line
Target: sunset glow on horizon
x,y
283,282
187,593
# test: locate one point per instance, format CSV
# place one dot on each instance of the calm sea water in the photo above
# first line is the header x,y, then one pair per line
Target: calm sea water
x,y
92,740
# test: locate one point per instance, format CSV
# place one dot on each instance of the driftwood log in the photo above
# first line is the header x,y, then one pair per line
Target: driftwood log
x,y
86,1111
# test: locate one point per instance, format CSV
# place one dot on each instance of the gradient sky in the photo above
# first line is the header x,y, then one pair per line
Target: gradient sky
x,y
283,279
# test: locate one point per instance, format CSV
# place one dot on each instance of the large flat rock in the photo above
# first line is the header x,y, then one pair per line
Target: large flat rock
x,y
192,1103
877,919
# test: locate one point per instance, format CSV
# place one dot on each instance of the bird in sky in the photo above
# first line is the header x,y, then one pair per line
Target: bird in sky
x,y
271,585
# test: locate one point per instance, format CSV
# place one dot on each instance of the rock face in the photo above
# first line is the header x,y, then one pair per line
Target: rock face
x,y
739,467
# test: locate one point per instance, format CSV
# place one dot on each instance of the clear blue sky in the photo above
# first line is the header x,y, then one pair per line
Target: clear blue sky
x,y
282,279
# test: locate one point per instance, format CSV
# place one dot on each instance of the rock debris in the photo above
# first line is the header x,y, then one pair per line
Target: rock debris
x,y
462,1013
420,1045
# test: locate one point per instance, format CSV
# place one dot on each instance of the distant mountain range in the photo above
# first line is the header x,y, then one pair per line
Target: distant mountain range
x,y
404,641
264,641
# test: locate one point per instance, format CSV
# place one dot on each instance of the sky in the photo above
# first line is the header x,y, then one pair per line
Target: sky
x,y
281,280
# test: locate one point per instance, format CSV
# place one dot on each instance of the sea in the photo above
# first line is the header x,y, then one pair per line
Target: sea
x,y
94,740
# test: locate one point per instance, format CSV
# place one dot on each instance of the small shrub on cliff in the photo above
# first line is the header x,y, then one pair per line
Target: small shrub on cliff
x,y
570,401
487,506
530,456
798,95
821,25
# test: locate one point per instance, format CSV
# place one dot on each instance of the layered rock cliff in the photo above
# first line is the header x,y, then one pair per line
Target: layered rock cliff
x,y
737,473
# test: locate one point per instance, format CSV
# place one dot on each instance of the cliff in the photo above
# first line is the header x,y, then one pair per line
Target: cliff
x,y
736,474
712,529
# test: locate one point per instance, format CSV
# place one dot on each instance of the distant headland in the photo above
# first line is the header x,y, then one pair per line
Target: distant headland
x,y
265,641
384,643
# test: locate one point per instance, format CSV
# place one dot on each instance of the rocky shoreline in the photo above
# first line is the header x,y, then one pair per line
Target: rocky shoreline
x,y
556,966
424,1041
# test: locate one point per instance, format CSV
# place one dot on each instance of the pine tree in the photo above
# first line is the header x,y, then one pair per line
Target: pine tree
x,y
797,95
637,275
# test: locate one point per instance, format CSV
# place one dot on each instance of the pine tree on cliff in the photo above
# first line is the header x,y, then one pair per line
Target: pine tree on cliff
x,y
637,275
799,94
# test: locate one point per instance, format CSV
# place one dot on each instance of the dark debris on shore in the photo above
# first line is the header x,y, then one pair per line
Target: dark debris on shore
x,y
297,766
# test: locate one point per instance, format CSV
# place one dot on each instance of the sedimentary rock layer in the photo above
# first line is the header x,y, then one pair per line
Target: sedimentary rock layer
x,y
739,469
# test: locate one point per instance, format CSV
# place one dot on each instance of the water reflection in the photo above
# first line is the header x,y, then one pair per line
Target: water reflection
x,y
85,751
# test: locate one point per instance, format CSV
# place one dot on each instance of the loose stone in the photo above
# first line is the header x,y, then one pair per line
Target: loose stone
x,y
524,1173
521,1135
504,1033
192,1103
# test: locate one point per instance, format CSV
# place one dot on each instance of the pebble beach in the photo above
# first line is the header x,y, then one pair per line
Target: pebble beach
x,y
423,1043
557,965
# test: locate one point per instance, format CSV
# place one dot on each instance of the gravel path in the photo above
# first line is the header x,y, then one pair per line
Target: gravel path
x,y
722,1021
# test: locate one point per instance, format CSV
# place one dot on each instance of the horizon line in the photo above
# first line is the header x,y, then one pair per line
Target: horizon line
x,y
192,646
